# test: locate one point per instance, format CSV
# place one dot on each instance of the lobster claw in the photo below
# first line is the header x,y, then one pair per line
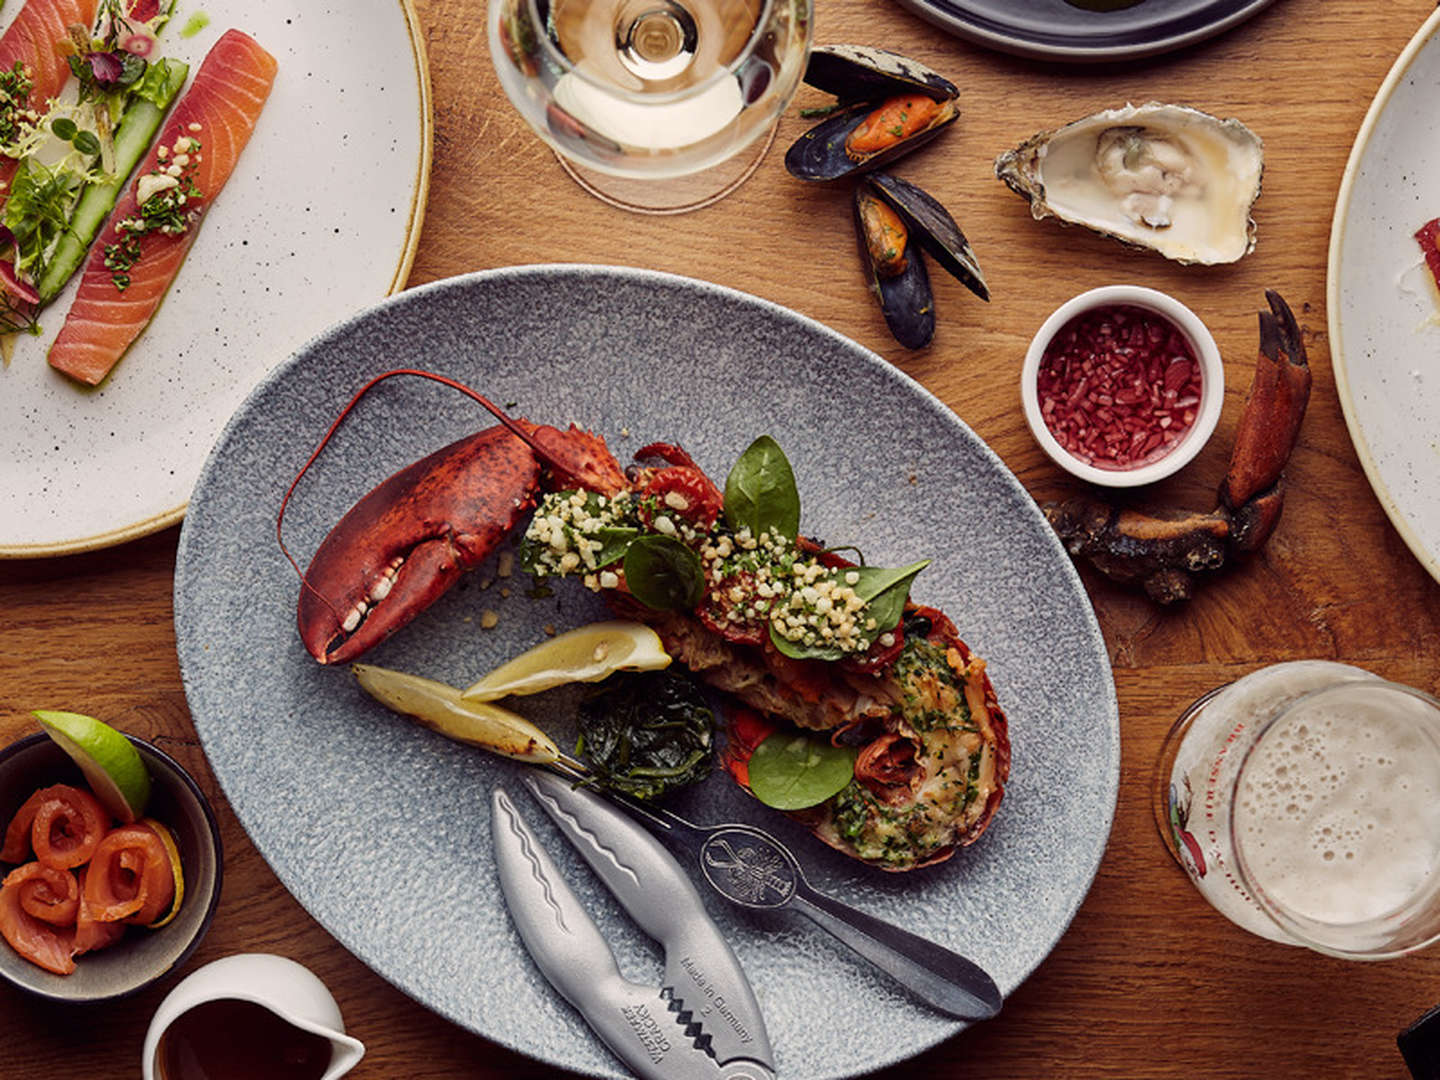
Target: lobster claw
x,y
406,542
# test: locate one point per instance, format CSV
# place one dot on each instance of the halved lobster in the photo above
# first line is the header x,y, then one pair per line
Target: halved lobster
x,y
933,750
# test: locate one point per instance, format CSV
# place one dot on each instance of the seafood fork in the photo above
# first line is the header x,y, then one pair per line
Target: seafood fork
x,y
703,1021
752,869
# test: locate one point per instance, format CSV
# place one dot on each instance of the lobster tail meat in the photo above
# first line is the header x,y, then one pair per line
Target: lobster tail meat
x,y
933,748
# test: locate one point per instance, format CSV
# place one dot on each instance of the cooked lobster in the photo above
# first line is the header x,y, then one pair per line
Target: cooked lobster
x,y
932,752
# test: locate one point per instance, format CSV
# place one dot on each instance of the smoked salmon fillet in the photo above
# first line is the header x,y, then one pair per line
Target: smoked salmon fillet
x,y
218,112
34,39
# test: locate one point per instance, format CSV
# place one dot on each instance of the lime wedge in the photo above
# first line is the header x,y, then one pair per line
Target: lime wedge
x,y
586,654
439,707
109,760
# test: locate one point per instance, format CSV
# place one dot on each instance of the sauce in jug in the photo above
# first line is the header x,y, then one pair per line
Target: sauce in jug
x,y
229,1039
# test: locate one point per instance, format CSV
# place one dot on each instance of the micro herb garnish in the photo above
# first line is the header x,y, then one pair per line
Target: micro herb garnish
x,y
101,65
168,211
15,87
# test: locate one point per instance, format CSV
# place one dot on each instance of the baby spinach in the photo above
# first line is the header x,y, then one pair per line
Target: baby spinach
x,y
792,771
760,492
884,592
663,573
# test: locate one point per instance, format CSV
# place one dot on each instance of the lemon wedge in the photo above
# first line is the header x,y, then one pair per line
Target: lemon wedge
x,y
439,707
172,852
585,654
109,760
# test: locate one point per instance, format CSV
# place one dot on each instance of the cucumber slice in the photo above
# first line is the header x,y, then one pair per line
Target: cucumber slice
x,y
141,120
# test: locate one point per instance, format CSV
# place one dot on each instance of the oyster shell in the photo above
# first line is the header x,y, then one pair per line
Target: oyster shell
x,y
1166,177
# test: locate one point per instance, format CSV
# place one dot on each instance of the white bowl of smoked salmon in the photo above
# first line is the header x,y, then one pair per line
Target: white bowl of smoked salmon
x,y
95,903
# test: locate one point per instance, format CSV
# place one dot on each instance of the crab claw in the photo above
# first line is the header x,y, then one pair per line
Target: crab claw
x,y
1273,410
406,542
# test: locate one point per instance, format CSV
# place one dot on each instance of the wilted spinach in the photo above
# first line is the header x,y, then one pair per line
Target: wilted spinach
x,y
647,733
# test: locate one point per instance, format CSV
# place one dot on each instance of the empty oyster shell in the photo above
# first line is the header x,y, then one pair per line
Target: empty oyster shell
x,y
1166,177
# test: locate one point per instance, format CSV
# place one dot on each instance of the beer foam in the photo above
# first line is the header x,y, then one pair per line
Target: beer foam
x,y
1338,811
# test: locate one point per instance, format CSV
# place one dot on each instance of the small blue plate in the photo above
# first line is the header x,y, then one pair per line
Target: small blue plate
x,y
381,829
1060,30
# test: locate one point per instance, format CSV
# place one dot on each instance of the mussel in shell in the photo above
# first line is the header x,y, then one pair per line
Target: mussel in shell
x,y
889,106
894,221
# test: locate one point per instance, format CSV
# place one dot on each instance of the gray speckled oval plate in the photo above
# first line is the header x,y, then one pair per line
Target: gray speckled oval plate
x,y
381,829
295,242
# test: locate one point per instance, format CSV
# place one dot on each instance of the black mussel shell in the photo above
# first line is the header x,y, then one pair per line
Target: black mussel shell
x,y
905,298
931,226
820,154
862,73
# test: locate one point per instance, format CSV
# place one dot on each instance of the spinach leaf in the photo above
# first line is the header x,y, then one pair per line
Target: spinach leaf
x,y
663,573
884,592
791,771
614,542
647,733
760,491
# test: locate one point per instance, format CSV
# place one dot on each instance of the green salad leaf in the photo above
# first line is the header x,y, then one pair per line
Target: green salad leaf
x,y
663,573
792,771
884,592
760,492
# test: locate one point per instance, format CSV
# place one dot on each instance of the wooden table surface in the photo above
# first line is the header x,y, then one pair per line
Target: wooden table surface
x,y
1149,981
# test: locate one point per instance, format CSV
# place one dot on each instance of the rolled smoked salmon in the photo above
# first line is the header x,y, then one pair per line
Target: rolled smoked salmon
x,y
34,39
62,825
128,272
130,877
51,895
51,947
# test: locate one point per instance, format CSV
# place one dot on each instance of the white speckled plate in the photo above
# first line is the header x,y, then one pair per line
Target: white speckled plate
x,y
320,218
381,829
1384,320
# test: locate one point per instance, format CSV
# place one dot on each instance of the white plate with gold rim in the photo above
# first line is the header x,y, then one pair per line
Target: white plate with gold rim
x,y
320,219
1384,316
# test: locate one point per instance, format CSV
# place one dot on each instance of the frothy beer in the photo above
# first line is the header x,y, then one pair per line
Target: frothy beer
x,y
1306,797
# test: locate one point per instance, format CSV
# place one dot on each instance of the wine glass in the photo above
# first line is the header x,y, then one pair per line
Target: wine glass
x,y
656,106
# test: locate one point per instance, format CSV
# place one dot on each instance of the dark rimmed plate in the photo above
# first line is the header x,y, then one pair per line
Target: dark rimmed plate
x,y
1057,30
382,829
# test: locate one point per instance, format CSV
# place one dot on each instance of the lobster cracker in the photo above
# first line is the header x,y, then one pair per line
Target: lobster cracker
x,y
703,1020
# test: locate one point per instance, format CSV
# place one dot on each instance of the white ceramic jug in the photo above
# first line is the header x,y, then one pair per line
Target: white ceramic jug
x,y
289,990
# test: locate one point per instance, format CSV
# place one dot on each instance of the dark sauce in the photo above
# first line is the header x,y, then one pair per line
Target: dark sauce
x,y
230,1039
1103,5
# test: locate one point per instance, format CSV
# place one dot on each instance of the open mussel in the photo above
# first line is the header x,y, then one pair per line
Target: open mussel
x,y
894,221
888,106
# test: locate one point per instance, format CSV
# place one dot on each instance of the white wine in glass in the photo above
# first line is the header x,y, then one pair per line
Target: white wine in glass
x,y
653,105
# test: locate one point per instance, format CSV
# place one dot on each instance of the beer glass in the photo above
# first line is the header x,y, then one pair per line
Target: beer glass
x,y
656,106
1303,801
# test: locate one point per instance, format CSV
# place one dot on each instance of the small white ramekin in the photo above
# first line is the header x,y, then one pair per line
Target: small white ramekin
x,y
1212,388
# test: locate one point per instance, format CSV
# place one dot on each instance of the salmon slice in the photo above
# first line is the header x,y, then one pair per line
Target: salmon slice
x,y
130,877
220,110
50,895
34,39
90,933
39,942
61,824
